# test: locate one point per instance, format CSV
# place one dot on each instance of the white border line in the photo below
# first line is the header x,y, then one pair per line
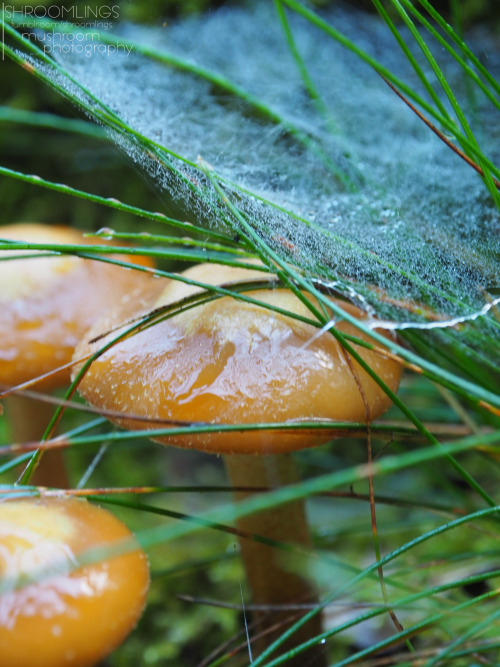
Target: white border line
x,y
3,30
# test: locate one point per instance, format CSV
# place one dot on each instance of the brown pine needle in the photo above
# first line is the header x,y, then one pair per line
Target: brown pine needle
x,y
440,134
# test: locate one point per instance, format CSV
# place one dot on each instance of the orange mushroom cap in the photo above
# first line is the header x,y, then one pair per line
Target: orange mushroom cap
x,y
47,303
72,616
231,362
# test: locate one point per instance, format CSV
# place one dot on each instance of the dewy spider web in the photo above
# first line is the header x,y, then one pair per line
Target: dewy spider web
x,y
353,188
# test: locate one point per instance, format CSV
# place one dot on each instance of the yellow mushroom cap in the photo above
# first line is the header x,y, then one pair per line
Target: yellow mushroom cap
x,y
47,303
71,616
231,362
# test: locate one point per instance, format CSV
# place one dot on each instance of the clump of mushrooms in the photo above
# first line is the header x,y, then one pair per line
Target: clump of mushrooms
x,y
55,612
229,361
47,303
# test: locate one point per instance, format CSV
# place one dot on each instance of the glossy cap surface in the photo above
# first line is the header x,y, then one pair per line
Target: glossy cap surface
x,y
232,362
70,616
47,303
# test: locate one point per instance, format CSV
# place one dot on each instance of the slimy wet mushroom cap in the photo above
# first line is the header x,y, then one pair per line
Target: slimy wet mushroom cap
x,y
54,613
49,301
229,362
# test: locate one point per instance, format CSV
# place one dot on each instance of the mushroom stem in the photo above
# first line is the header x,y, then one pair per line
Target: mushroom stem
x,y
273,573
28,420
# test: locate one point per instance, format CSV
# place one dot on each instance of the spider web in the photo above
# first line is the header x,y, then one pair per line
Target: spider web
x,y
354,189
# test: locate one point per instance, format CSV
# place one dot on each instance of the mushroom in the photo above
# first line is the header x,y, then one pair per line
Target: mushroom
x,y
54,611
228,361
47,303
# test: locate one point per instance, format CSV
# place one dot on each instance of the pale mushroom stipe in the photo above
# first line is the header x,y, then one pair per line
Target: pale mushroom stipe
x,y
54,611
233,362
47,303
